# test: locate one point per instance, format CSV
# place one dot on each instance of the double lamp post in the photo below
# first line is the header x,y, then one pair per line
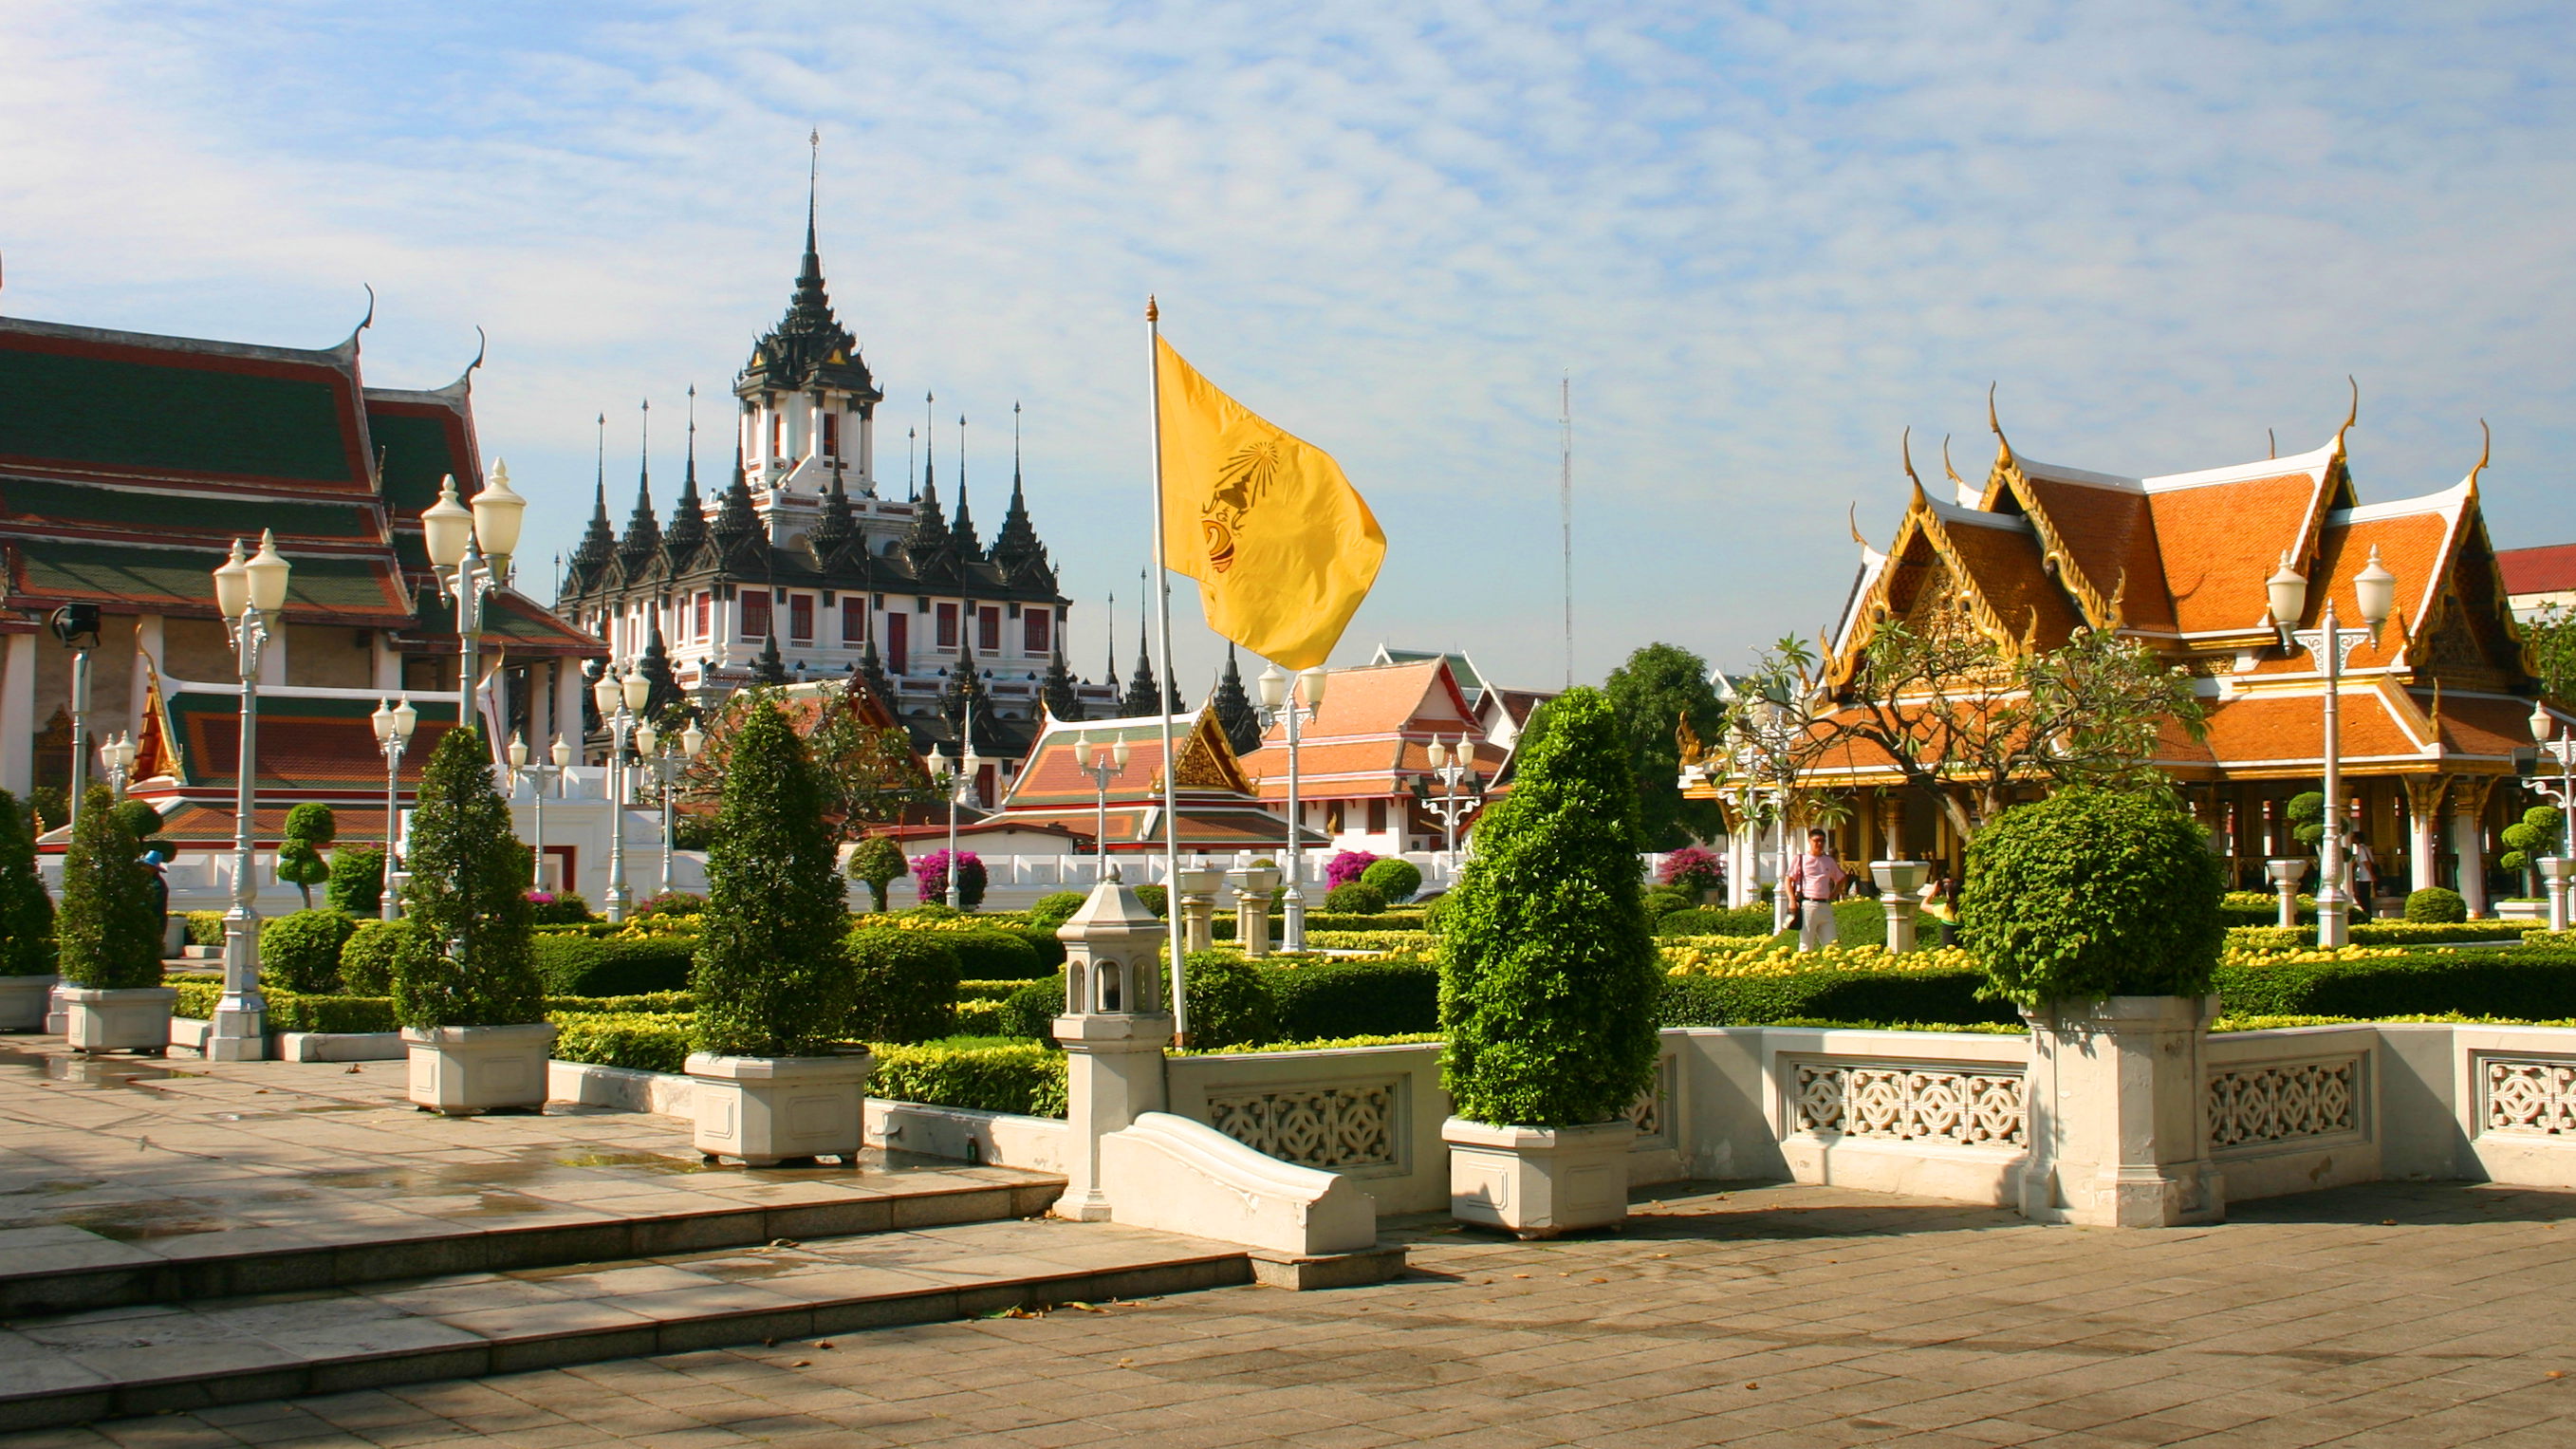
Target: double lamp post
x,y
2375,592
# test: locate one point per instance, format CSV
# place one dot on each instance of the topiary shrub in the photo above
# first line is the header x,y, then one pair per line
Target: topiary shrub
x,y
772,978
930,879
1662,901
301,950
2093,893
1548,978
875,862
468,898
309,827
26,911
1323,1000
581,965
1032,1010
993,955
1229,1001
357,885
1355,899
904,983
1055,908
107,933
1017,1077
367,957
205,928
668,903
1435,914
638,1041
2307,815
558,908
1157,899
2528,840
1348,866
2433,903
1397,881
1711,921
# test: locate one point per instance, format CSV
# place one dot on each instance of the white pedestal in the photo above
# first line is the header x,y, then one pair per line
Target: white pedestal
x,y
768,1110
1538,1182
24,1001
2286,875
135,1018
465,1070
1897,882
2555,875
2119,1114
1113,1075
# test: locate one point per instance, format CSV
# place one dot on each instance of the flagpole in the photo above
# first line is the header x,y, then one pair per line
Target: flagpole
x,y
1162,705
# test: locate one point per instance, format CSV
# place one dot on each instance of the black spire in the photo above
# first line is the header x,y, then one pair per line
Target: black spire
x,y
870,671
643,533
689,521
836,527
968,708
599,542
1016,546
969,548
769,668
1139,699
1234,712
809,348
734,519
1061,701
656,668
930,539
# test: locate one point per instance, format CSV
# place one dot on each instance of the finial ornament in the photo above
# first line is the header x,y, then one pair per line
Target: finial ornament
x,y
2003,446
1945,462
2271,444
2486,450
2351,415
1855,525
1153,312
1905,452
482,344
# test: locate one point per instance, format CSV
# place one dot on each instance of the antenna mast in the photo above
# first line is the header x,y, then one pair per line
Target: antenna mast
x,y
1565,505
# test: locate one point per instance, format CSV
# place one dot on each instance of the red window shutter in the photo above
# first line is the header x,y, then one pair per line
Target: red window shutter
x,y
755,615
988,630
854,619
1036,630
800,618
947,626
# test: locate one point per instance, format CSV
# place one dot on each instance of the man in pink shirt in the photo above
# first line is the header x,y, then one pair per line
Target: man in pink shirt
x,y
1816,880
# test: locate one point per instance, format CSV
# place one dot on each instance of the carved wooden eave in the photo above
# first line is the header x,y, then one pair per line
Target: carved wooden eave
x,y
1922,524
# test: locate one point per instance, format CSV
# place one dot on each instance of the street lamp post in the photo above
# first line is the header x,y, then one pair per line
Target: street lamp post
x,y
469,551
958,780
117,754
77,626
2562,750
251,593
544,774
1279,701
1103,766
2375,591
658,752
1453,766
620,700
393,725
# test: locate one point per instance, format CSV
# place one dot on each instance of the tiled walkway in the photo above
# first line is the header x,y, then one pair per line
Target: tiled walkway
x,y
2414,1316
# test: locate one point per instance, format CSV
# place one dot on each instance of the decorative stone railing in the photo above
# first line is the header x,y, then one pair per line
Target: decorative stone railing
x,y
1905,1102
1339,1125
2531,1096
2259,1105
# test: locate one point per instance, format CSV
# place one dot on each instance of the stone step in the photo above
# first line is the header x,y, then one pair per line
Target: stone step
x,y
152,1256
122,1362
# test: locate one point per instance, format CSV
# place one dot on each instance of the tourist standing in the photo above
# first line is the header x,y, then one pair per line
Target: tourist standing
x,y
1816,880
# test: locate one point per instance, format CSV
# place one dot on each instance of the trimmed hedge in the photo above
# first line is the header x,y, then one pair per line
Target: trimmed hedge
x,y
1357,898
984,1017
2527,983
644,1042
905,982
293,1010
1017,1077
974,990
300,950
2380,933
1829,995
367,957
1388,920
998,954
206,928
1712,921
2433,903
1325,999
578,964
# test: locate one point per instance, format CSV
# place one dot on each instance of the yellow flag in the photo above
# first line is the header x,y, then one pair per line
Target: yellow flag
x,y
1283,547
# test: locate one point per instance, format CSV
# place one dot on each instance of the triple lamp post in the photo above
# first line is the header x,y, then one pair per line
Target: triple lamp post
x,y
621,701
667,757
251,595
1279,702
2375,591
393,725
117,753
1103,766
542,775
469,551
958,780
1452,766
2561,750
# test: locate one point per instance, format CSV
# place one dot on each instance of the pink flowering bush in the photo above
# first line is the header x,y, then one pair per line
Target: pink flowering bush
x,y
1345,868
930,877
1692,869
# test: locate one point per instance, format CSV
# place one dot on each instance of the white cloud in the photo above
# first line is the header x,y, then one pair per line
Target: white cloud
x,y
1762,242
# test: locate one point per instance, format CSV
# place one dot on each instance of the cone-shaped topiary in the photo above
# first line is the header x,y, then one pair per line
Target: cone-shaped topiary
x,y
875,862
26,912
108,932
2092,893
469,900
357,880
771,978
1548,976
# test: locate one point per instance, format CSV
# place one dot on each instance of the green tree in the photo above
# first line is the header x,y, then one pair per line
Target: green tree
x,y
2307,815
2093,893
470,964
357,880
108,933
1661,688
2528,841
309,827
26,911
2552,639
1548,976
771,976
875,862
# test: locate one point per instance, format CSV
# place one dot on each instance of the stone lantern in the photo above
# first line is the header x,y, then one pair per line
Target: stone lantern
x,y
1113,1029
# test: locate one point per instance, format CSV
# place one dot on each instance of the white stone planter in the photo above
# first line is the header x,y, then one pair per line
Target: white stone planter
x,y
23,1002
1538,1182
768,1110
2118,1099
465,1070
134,1018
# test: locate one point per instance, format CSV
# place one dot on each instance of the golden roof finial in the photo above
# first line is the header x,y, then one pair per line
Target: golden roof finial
x,y
2351,415
2271,444
1855,527
1905,451
2486,449
2003,446
1945,462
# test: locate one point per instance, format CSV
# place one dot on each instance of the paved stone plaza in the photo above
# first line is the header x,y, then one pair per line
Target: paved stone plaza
x,y
2416,1315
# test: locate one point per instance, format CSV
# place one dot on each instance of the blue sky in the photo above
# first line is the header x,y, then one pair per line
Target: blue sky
x,y
1763,239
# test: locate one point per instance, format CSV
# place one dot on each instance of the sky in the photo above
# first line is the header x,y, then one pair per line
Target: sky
x,y
1756,241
